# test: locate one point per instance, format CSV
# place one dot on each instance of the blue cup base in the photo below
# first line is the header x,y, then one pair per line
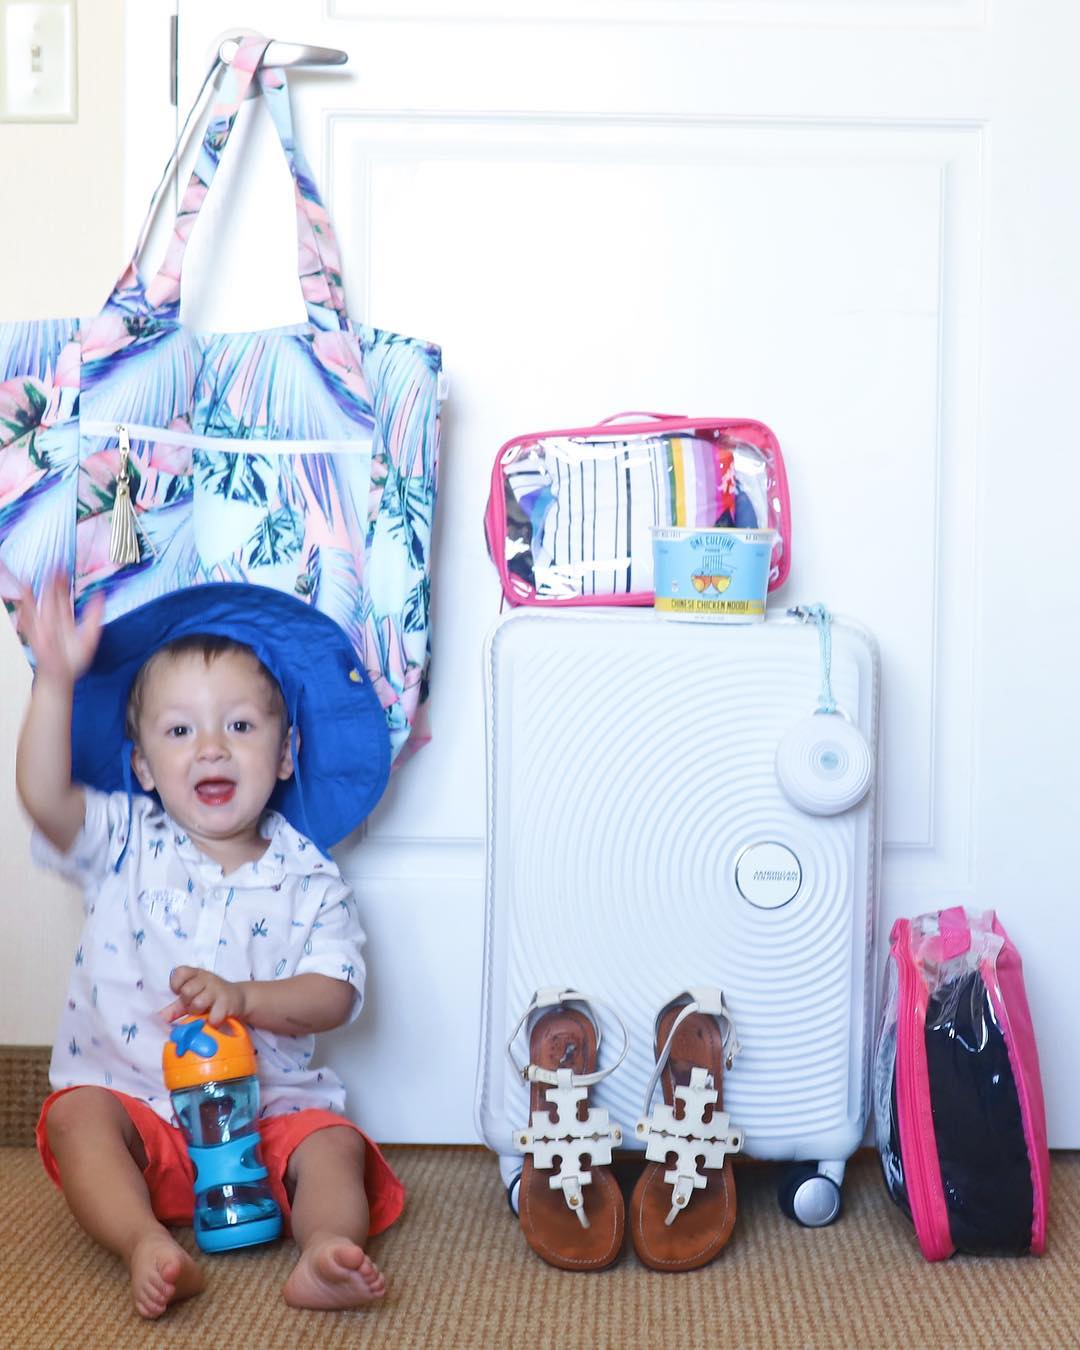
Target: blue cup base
x,y
233,1236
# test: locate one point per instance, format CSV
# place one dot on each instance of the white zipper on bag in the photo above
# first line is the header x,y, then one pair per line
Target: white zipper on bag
x,y
229,445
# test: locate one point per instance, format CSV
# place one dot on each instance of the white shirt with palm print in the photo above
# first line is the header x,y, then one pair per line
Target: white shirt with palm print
x,y
289,913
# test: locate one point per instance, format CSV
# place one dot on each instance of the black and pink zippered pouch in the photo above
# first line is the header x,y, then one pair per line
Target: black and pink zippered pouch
x,y
958,1101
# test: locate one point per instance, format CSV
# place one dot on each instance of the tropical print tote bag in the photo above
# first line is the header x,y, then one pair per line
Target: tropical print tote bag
x,y
139,456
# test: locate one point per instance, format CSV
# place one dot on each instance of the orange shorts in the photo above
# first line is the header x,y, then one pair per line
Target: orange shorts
x,y
170,1176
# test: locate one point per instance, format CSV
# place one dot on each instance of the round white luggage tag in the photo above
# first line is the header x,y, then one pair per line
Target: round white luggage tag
x,y
824,764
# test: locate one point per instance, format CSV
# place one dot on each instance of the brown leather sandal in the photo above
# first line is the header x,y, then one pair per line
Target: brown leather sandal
x,y
573,1218
680,1219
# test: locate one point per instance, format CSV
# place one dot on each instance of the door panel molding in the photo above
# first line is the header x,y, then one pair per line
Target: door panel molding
x,y
388,163
918,14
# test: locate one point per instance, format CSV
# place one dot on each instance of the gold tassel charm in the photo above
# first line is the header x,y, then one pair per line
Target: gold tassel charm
x,y
124,541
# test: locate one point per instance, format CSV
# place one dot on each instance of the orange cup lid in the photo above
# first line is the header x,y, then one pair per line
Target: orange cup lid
x,y
197,1052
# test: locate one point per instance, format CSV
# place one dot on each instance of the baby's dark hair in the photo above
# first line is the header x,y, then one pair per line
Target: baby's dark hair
x,y
209,646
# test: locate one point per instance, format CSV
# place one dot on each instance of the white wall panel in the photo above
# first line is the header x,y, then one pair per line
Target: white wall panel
x,y
408,1064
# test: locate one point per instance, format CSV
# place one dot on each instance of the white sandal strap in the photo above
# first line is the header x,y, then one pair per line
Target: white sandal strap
x,y
709,1001
551,998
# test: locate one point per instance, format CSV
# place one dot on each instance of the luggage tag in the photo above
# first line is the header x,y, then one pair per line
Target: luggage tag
x,y
824,764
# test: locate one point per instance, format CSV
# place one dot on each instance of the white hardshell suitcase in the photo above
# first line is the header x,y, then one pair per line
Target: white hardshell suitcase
x,y
639,844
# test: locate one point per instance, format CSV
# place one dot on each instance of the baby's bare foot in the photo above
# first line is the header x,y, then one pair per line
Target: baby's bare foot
x,y
333,1273
161,1273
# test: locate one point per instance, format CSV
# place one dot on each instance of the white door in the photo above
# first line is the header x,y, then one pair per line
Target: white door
x,y
852,219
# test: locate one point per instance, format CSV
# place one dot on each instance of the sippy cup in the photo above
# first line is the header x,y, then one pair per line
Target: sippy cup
x,y
210,1072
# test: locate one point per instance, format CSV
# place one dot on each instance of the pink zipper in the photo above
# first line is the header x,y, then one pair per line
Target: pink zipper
x,y
918,1144
519,592
1014,1018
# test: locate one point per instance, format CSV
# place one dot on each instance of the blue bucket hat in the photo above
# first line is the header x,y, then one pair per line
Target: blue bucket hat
x,y
342,764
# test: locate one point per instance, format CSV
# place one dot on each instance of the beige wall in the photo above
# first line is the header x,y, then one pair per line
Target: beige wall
x,y
60,251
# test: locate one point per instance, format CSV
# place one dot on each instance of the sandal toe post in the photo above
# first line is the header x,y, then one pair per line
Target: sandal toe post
x,y
683,1207
570,1206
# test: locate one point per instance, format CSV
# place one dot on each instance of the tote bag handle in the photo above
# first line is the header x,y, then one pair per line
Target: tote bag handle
x,y
319,257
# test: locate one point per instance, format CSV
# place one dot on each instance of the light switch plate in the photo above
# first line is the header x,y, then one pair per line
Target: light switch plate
x,y
37,61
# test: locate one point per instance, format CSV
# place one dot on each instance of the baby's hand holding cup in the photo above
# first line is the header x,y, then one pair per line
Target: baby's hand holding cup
x,y
201,991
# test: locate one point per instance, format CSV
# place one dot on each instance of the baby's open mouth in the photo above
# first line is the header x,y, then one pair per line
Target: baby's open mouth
x,y
215,791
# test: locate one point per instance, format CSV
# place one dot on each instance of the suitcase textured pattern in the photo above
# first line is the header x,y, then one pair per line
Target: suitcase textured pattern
x,y
632,800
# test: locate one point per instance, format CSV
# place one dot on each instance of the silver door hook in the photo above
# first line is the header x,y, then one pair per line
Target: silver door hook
x,y
288,54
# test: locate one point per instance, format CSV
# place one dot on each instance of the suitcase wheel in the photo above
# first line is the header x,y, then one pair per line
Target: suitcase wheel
x,y
808,1197
513,1190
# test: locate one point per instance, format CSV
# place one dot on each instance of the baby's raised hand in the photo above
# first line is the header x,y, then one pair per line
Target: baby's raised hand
x,y
62,649
201,991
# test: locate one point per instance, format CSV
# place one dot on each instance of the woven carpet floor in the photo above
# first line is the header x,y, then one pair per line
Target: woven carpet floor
x,y
460,1275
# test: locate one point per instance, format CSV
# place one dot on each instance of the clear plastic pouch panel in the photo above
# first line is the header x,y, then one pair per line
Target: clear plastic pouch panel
x,y
985,1170
580,510
883,1088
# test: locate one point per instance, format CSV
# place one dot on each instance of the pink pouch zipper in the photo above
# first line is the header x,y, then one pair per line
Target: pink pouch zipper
x,y
918,1145
1004,982
519,592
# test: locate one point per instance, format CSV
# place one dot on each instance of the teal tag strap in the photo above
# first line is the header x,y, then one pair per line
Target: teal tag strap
x,y
820,616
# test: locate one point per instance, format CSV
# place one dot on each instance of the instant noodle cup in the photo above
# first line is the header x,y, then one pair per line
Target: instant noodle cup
x,y
711,575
